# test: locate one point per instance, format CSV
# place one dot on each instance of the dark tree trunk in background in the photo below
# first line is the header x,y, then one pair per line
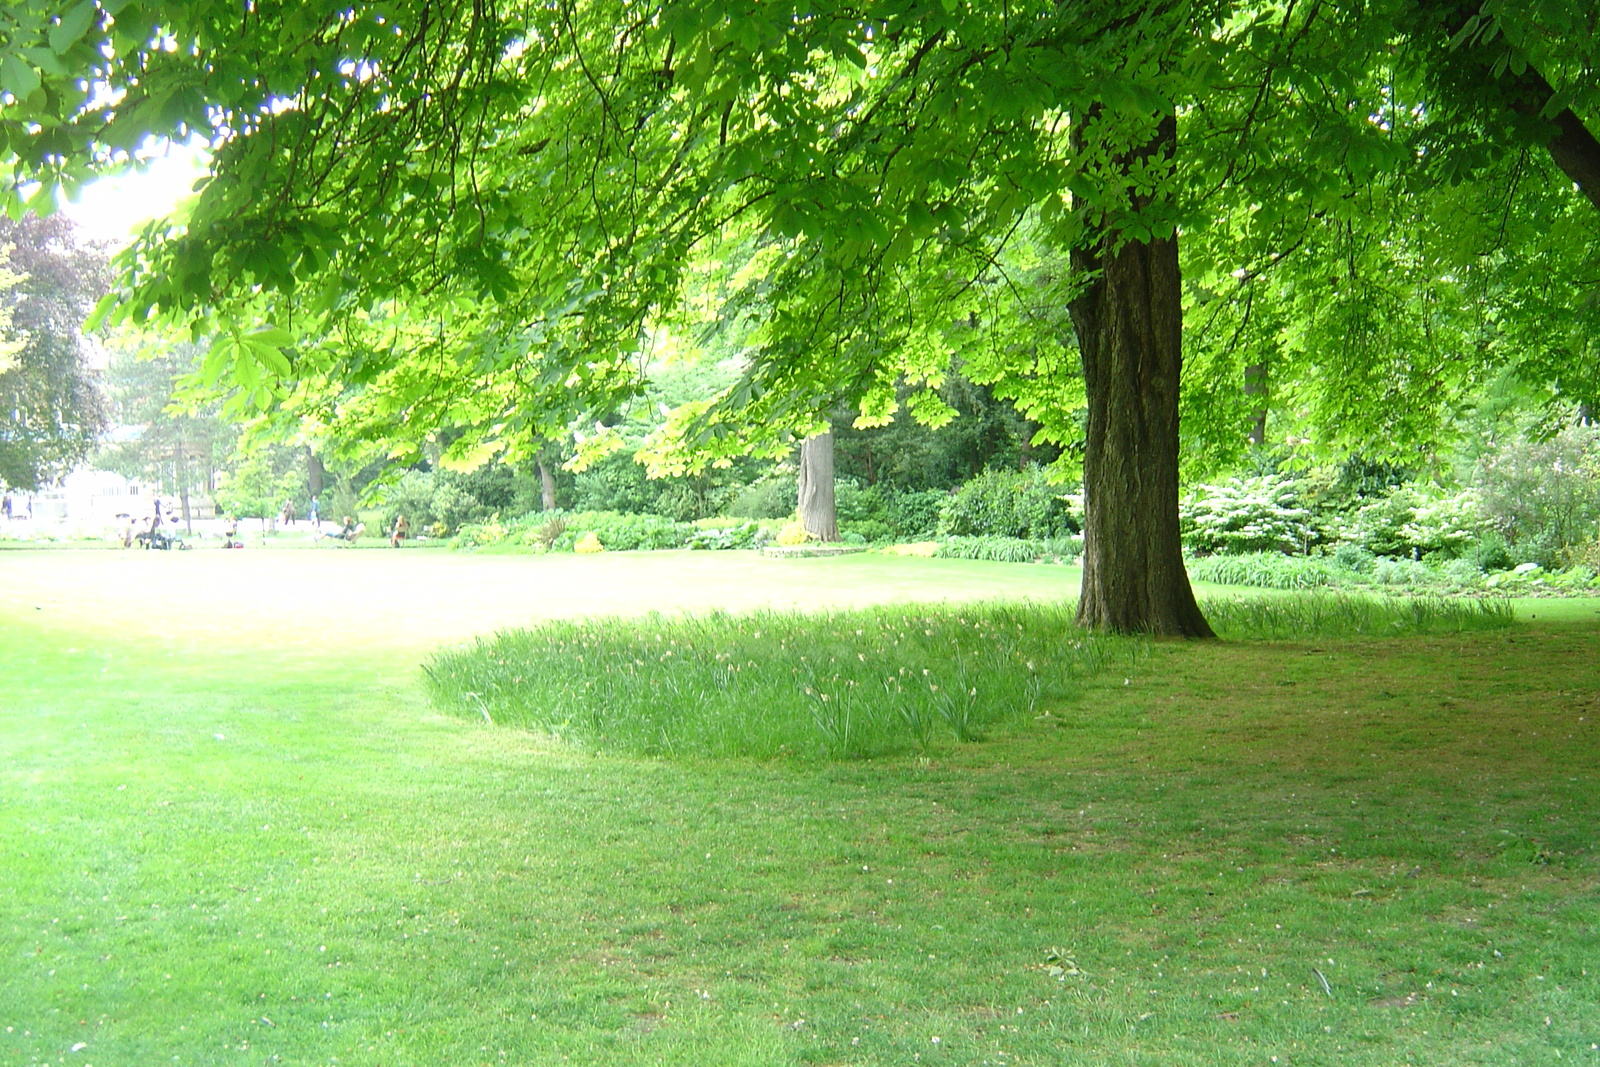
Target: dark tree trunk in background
x,y
1129,323
817,513
316,474
547,486
1255,384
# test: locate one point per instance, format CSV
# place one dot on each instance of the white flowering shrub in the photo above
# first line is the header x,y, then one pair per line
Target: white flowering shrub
x,y
1407,523
1261,514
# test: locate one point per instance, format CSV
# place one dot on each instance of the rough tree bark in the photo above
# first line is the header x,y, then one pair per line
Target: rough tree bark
x,y
1129,324
817,512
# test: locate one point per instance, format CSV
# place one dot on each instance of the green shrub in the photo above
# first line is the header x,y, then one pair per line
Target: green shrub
x,y
1444,527
773,497
1002,503
1462,571
537,528
1410,573
1406,522
616,483
429,498
914,514
1260,514
723,534
853,503
871,531
1544,497
481,534
1354,558
1491,553
684,499
621,532
1579,577
1379,525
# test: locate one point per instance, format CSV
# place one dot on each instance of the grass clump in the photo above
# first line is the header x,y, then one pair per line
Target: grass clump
x,y
1064,549
839,684
1320,614
1266,570
847,684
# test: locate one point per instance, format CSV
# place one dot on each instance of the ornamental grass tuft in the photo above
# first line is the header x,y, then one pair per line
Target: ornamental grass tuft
x,y
847,684
842,684
1321,614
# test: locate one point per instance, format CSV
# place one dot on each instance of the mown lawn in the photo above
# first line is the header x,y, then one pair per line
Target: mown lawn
x,y
232,831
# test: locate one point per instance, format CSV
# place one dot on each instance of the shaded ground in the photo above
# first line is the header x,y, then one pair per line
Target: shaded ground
x,y
231,833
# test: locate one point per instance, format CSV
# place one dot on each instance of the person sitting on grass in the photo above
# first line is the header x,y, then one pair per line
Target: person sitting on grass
x,y
349,530
230,534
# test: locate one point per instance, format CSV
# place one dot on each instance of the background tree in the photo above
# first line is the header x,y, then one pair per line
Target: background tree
x,y
261,476
51,410
162,437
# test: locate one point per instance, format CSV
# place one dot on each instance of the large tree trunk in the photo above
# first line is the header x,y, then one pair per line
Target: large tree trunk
x,y
1129,323
817,512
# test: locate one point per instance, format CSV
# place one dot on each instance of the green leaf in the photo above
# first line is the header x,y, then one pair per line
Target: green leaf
x,y
274,360
97,317
223,351
271,335
48,61
18,78
73,25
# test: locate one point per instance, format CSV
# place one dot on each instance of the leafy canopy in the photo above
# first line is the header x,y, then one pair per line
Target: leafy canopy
x,y
439,213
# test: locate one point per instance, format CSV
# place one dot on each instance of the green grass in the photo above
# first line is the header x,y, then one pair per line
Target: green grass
x,y
1314,615
846,684
868,682
345,875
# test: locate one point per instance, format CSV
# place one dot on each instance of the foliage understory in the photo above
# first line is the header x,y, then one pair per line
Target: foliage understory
x,y
244,853
1273,570
847,684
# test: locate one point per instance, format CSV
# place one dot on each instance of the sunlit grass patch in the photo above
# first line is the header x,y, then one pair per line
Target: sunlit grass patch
x,y
837,684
